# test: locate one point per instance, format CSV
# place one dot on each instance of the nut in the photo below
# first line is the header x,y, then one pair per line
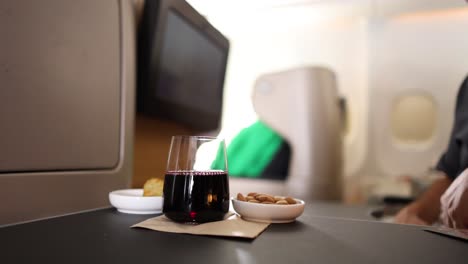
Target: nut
x,y
277,198
241,197
290,200
263,198
248,198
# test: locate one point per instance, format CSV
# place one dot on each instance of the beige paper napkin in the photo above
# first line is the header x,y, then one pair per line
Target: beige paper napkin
x,y
232,226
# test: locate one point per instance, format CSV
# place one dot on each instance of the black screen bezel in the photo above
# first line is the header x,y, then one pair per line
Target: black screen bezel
x,y
150,43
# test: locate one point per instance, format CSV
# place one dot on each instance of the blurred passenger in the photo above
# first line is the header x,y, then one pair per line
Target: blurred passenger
x,y
447,198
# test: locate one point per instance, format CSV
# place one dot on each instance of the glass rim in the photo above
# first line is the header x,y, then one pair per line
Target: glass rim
x,y
197,137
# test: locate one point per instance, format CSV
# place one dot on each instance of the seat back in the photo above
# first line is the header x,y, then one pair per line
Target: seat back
x,y
302,106
66,105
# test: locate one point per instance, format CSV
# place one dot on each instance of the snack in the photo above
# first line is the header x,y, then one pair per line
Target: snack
x,y
263,198
153,187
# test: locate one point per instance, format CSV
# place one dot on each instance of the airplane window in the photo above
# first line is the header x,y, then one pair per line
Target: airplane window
x,y
413,119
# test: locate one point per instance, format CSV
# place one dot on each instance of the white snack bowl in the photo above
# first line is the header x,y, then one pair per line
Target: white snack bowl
x,y
268,213
132,201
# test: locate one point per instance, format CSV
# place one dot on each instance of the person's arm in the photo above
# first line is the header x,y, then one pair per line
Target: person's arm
x,y
426,209
454,203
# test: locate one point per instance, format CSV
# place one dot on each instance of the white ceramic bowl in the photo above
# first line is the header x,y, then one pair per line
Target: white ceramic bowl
x,y
268,213
132,201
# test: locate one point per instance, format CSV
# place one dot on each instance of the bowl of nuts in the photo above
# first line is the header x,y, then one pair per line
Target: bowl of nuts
x,y
266,208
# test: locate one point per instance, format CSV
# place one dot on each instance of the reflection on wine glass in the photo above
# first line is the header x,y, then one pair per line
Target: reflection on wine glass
x,y
196,184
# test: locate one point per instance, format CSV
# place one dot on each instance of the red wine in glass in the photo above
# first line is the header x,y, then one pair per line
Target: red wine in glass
x,y
196,184
196,196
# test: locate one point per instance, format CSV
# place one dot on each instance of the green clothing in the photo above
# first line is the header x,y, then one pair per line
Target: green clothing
x,y
251,151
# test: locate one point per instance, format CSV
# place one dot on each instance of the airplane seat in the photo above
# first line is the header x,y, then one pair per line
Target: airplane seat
x,y
302,105
66,105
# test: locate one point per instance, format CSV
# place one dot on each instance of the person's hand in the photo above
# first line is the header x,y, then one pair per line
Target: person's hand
x,y
454,203
410,215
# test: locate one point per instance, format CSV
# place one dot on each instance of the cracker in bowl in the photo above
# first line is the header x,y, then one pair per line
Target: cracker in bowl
x,y
153,187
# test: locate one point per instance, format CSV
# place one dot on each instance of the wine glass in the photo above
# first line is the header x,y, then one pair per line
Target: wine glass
x,y
196,184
